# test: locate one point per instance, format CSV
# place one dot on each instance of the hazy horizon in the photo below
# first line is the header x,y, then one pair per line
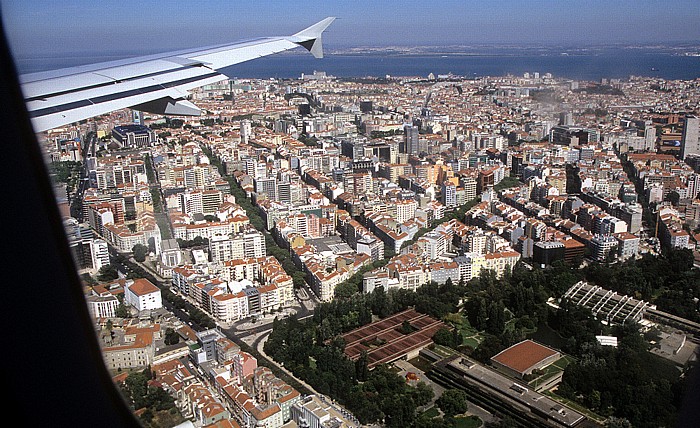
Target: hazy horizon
x,y
41,27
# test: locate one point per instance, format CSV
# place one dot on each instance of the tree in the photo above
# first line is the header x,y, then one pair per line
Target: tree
x,y
490,346
201,318
140,252
399,410
345,290
136,388
422,394
614,422
309,141
122,311
406,327
152,400
361,370
496,317
299,279
506,183
88,279
453,402
171,337
444,337
107,273
673,197
380,303
174,123
64,170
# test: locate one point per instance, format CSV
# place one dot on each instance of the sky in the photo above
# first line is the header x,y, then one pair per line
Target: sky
x,y
53,27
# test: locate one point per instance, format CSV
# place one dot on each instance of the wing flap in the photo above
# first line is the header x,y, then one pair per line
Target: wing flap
x,y
77,106
169,106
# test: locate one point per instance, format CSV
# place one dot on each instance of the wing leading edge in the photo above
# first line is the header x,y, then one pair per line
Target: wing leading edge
x,y
155,83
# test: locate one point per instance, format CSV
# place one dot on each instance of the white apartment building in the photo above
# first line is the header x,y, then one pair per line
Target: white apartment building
x,y
627,245
124,239
142,295
230,307
99,252
601,246
405,210
250,244
188,232
102,305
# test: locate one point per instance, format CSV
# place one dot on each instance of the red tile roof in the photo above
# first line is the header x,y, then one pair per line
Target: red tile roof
x,y
142,286
524,355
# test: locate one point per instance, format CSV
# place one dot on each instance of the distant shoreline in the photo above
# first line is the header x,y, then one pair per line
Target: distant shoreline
x,y
582,64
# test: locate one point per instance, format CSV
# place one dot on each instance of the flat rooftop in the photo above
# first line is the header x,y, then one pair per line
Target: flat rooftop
x,y
330,243
131,128
325,411
490,380
524,355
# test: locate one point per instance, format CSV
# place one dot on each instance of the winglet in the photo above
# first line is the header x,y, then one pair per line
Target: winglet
x,y
310,37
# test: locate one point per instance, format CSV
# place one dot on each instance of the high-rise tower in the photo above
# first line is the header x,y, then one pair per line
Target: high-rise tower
x,y
690,143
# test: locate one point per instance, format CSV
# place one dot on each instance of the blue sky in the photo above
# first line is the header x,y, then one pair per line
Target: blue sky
x,y
37,27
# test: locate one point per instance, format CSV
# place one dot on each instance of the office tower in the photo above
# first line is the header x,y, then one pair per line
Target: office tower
x,y
690,143
449,194
649,137
246,131
137,117
566,118
266,186
284,192
410,133
131,136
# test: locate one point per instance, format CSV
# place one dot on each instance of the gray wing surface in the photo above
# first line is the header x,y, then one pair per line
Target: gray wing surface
x,y
155,83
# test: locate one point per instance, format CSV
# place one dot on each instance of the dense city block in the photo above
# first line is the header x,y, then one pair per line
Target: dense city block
x,y
417,251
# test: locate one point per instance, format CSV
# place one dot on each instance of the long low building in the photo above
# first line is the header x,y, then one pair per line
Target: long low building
x,y
535,408
606,305
401,335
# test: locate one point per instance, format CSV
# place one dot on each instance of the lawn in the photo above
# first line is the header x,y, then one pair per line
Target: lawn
x,y
468,422
471,342
421,364
432,412
460,421
551,370
471,336
546,376
443,351
563,362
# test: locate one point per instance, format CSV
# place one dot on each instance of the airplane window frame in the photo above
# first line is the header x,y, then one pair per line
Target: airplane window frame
x,y
83,393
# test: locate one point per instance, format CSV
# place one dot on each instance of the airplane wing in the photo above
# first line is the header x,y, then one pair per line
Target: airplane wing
x,y
155,83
